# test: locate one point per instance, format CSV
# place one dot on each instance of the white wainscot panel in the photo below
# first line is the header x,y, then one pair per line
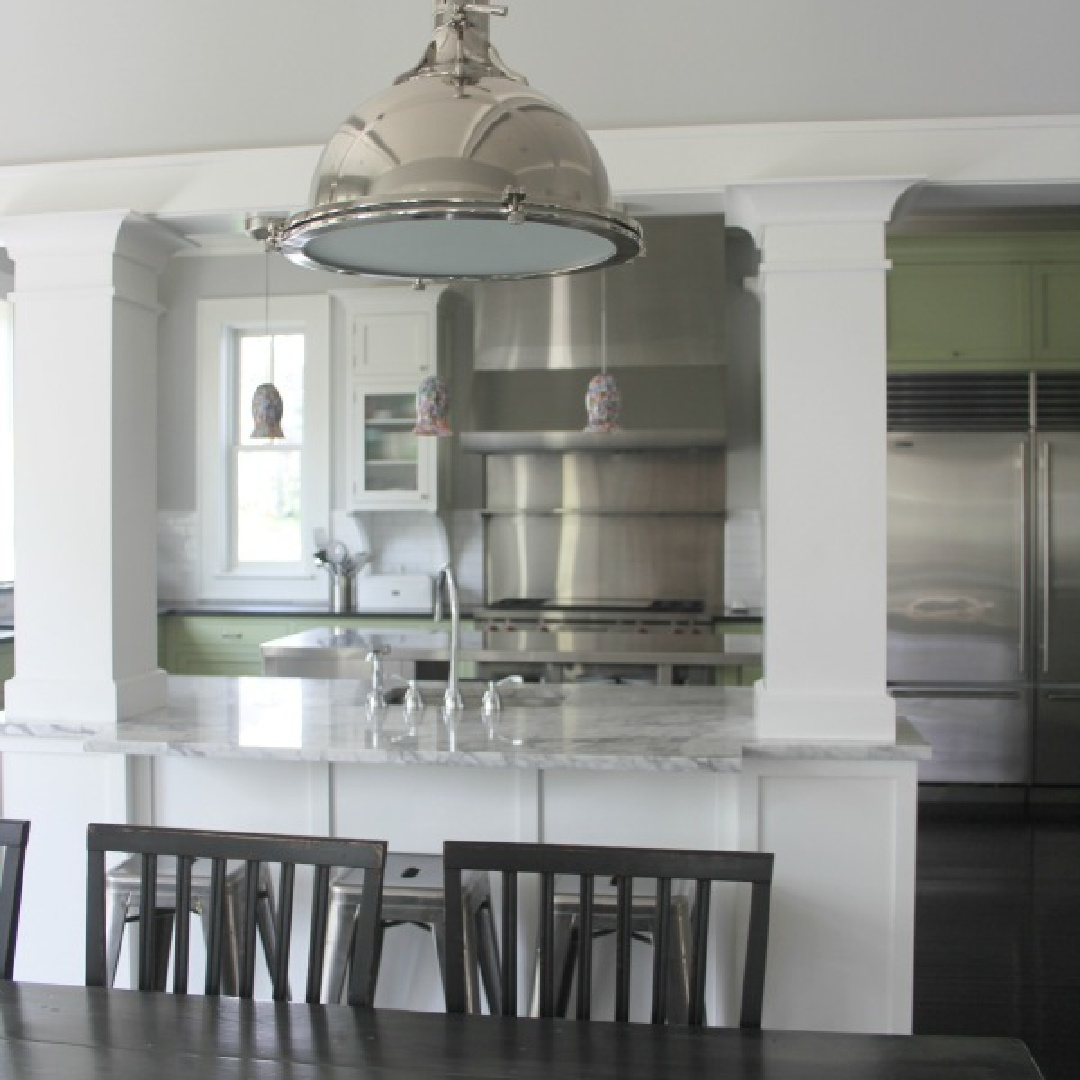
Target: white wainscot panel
x,y
417,808
640,809
841,929
59,793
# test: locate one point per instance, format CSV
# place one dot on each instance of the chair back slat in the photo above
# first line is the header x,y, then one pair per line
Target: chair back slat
x,y
320,907
699,937
147,929
181,953
662,959
624,929
509,933
586,908
247,936
216,943
283,931
679,927
234,919
547,945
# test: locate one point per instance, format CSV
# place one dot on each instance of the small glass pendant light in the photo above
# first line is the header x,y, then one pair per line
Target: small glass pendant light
x,y
602,401
267,408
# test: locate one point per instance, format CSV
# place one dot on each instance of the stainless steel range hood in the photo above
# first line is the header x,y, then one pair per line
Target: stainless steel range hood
x,y
663,309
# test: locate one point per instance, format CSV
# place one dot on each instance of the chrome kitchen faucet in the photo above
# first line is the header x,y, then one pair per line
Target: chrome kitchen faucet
x,y
452,700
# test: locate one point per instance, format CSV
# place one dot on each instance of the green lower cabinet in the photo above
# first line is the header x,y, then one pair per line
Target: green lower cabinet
x,y
228,645
218,644
7,665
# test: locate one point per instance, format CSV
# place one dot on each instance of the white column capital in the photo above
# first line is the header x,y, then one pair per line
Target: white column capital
x,y
760,208
79,250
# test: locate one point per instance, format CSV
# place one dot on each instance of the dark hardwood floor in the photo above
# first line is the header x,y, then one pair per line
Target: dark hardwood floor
x,y
997,926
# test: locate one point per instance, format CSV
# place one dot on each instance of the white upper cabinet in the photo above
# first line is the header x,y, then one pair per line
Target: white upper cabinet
x,y
391,337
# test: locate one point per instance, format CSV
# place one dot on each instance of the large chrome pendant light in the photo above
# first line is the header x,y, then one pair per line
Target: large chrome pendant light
x,y
460,170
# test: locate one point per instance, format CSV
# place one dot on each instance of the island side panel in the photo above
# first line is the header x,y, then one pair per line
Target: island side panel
x,y
841,932
59,789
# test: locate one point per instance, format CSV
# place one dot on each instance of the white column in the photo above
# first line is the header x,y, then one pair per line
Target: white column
x,y
86,315
822,285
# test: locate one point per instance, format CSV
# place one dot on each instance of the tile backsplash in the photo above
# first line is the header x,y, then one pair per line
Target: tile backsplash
x,y
411,542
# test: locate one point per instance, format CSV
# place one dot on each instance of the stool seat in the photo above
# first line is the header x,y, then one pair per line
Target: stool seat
x,y
122,886
413,896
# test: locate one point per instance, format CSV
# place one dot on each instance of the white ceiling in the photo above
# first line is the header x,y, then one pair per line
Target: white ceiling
x,y
128,77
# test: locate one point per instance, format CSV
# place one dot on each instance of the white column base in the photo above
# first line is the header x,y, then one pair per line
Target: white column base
x,y
89,701
855,717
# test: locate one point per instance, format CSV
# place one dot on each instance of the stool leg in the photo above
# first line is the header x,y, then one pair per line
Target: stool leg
x,y
472,959
679,972
264,918
341,923
488,955
162,930
438,936
118,914
564,929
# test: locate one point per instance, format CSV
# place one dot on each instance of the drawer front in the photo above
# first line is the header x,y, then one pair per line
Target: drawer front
x,y
228,631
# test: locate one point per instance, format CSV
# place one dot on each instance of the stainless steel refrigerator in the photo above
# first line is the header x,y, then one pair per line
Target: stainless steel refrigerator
x,y
984,574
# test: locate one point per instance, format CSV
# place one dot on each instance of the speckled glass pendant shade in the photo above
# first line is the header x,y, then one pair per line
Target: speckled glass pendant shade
x,y
432,408
267,408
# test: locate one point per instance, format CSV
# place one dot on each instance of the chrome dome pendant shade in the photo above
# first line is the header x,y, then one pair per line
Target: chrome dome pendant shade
x,y
460,170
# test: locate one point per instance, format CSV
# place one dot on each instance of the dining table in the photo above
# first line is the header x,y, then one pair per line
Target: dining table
x,y
80,1033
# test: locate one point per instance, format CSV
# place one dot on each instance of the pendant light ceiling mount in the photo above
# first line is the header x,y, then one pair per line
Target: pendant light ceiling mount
x,y
459,171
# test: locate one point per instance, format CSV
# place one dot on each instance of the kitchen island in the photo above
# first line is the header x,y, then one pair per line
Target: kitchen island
x,y
665,766
335,652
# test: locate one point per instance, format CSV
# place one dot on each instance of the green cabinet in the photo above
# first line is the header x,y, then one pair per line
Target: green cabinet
x,y
1055,299
218,644
229,644
984,302
7,665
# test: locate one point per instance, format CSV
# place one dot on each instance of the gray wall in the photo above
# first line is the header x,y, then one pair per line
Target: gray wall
x,y
130,77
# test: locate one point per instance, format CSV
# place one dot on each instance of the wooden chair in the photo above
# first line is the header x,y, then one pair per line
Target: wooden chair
x,y
623,865
255,850
13,837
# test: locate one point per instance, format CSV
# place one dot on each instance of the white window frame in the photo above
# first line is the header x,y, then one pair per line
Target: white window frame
x,y
219,321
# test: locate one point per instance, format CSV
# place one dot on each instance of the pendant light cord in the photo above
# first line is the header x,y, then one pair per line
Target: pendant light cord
x,y
603,322
266,308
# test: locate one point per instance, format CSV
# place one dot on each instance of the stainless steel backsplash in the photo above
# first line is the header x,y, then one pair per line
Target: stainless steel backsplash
x,y
605,527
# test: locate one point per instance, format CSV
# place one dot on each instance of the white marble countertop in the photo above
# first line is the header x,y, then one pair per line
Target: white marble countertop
x,y
579,726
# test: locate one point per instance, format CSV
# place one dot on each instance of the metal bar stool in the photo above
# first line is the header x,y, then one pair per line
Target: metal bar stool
x,y
122,884
644,913
413,896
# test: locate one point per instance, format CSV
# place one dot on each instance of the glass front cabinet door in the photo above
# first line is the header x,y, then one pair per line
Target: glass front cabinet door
x,y
389,466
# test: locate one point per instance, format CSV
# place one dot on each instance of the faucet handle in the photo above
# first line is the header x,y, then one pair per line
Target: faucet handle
x,y
413,702
376,698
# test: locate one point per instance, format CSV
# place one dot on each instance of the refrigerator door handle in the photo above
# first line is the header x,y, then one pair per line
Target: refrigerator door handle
x,y
969,693
1044,553
1056,696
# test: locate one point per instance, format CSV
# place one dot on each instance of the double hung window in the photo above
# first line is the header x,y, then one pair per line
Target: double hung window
x,y
260,500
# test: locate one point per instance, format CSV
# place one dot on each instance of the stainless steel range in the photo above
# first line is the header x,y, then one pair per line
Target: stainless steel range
x,y
580,623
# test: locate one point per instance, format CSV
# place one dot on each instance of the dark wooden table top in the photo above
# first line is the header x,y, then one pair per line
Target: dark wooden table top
x,y
86,1034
